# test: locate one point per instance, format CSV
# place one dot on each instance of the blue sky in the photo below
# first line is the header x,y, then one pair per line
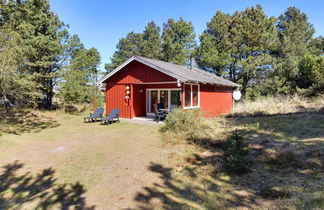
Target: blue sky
x,y
101,23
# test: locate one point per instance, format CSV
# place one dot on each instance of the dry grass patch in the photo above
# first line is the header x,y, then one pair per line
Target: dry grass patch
x,y
18,121
278,105
109,162
285,138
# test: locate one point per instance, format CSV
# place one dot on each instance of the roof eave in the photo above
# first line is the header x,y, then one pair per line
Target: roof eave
x,y
181,79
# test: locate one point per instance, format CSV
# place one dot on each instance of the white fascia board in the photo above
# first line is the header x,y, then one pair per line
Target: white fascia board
x,y
143,62
115,70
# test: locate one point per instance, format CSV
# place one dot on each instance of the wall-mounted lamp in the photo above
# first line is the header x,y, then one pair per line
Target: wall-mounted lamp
x,y
127,92
178,83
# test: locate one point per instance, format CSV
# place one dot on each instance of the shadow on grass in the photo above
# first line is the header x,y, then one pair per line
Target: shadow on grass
x,y
19,190
281,173
18,121
175,193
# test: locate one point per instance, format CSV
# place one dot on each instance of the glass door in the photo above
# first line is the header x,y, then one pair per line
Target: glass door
x,y
153,100
163,99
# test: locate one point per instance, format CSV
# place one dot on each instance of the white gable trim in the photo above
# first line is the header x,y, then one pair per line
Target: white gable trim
x,y
99,83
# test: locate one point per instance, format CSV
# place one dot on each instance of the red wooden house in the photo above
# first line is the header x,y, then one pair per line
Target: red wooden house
x,y
140,83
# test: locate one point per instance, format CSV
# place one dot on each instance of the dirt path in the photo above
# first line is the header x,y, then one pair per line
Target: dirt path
x,y
111,162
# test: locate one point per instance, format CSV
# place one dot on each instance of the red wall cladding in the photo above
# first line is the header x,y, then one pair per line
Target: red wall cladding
x,y
136,72
136,105
139,100
215,100
115,100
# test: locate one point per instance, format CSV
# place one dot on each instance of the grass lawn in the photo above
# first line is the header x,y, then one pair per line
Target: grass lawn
x,y
51,159
285,161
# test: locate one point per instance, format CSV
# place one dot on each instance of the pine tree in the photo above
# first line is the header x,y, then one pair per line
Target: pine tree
x,y
178,41
311,73
15,86
254,42
295,35
80,76
213,53
126,48
147,44
176,44
239,46
150,46
41,34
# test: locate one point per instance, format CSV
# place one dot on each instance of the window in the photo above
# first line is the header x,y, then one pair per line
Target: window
x,y
164,99
194,95
175,97
191,93
187,95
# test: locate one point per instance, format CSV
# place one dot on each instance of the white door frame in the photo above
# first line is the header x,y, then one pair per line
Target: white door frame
x,y
148,99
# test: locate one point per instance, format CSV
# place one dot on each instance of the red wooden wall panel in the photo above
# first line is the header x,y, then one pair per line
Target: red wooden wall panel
x,y
136,72
115,100
139,100
133,73
215,100
160,86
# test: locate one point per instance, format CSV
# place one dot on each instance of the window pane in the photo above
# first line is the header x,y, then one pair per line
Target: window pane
x,y
154,99
164,99
195,95
175,97
187,95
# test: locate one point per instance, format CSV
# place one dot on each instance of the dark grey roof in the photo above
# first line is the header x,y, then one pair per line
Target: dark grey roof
x,y
179,72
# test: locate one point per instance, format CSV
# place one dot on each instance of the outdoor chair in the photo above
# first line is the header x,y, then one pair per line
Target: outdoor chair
x,y
95,116
113,116
172,107
160,106
159,115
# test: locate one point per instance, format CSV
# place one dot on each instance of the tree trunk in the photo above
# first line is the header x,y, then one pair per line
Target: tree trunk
x,y
49,95
244,85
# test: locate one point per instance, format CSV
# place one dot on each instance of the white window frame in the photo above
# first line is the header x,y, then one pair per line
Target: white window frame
x,y
158,90
191,96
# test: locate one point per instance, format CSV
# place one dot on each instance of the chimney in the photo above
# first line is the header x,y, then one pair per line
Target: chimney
x,y
192,63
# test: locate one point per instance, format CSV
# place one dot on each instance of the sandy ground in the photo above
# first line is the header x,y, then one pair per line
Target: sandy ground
x,y
110,161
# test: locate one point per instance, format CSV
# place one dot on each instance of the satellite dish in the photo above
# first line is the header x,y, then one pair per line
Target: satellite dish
x,y
237,95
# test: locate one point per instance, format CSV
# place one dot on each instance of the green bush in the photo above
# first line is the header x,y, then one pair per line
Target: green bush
x,y
185,123
101,101
235,150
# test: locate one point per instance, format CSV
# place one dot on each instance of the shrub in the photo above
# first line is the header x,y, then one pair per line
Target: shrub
x,y
101,101
185,123
70,109
234,151
75,108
